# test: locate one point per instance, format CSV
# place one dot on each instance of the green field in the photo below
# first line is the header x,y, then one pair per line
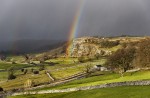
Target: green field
x,y
21,79
102,79
17,59
116,92
5,66
63,60
65,68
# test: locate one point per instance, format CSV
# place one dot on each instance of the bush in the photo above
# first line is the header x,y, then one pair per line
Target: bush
x,y
36,72
88,68
1,89
32,70
11,73
143,54
13,62
109,44
81,59
11,76
42,67
22,70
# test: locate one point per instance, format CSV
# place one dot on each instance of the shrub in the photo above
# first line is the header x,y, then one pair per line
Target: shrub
x,y
42,67
143,54
32,70
36,72
97,56
11,73
88,68
81,59
1,89
11,76
13,62
109,44
22,70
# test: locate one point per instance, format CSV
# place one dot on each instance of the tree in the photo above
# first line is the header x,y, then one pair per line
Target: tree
x,y
81,59
88,68
42,67
11,73
25,71
36,72
26,57
22,70
2,57
121,60
97,56
143,54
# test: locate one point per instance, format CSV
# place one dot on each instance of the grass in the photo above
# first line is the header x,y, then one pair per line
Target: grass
x,y
113,49
5,66
108,78
63,60
66,72
58,71
22,79
17,59
116,92
3,76
38,79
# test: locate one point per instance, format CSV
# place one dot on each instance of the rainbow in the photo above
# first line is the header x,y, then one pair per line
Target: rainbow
x,y
74,28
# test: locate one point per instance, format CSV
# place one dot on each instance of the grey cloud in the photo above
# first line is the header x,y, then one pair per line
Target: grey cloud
x,y
52,19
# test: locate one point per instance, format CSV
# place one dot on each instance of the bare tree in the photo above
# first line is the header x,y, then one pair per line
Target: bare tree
x,y
121,60
88,68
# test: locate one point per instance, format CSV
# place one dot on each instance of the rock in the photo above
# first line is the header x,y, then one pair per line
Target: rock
x,y
87,46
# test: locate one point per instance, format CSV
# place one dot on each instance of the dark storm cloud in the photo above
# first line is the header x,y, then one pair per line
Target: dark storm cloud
x,y
36,18
52,19
116,17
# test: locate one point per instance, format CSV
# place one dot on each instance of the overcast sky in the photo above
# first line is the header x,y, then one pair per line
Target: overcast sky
x,y
52,19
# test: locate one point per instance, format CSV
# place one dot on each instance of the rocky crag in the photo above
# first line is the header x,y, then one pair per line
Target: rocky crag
x,y
92,46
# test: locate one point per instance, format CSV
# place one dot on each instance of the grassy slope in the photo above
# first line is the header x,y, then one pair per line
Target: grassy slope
x,y
17,59
20,80
108,78
58,71
4,65
63,60
116,92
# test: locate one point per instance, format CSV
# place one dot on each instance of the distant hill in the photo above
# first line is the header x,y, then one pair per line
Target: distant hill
x,y
29,46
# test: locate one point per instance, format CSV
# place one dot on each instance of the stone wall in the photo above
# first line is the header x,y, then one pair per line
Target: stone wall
x,y
126,83
61,81
2,95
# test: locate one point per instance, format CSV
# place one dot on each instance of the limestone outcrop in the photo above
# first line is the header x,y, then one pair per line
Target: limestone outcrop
x,y
91,46
87,46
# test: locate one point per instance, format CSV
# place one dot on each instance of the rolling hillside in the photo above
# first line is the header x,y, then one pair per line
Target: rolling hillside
x,y
89,46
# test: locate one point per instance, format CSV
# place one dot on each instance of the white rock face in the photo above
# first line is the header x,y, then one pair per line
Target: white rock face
x,y
87,46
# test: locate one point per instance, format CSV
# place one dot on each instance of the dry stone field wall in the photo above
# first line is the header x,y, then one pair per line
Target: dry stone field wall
x,y
127,83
